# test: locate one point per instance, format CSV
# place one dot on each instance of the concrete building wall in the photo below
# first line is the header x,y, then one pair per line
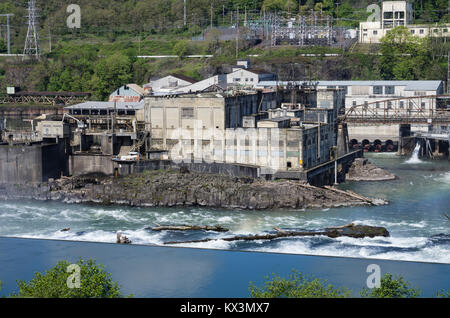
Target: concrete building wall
x,y
37,163
397,13
81,164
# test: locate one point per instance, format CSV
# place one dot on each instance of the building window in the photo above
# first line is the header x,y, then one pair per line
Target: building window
x,y
378,89
435,30
388,15
354,103
389,105
389,90
187,113
377,105
421,31
237,79
402,104
375,32
345,88
422,105
445,30
413,31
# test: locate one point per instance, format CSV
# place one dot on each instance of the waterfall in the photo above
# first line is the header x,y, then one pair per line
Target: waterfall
x,y
415,155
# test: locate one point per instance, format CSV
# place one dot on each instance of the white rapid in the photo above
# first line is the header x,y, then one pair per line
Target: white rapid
x,y
415,155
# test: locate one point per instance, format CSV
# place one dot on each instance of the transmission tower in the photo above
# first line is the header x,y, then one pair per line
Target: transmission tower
x,y
32,42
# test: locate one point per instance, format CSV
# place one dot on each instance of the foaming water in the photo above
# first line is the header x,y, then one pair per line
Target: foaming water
x,y
415,156
414,218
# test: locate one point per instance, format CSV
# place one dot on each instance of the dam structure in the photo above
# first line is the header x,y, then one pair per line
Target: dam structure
x,y
270,134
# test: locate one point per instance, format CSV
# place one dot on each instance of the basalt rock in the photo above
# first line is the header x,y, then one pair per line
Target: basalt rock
x,y
363,170
171,188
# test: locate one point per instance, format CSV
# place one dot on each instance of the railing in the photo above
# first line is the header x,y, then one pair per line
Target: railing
x,y
416,109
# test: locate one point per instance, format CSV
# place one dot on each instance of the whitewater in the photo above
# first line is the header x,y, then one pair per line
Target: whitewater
x,y
418,199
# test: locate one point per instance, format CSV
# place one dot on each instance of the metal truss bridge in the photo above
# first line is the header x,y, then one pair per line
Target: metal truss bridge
x,y
432,109
45,98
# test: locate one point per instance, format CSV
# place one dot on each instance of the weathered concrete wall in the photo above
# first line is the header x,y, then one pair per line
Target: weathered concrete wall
x,y
80,164
36,163
233,170
371,133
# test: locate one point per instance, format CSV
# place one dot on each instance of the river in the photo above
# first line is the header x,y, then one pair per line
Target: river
x,y
419,231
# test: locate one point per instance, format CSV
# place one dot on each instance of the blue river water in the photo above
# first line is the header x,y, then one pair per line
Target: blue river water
x,y
153,271
418,199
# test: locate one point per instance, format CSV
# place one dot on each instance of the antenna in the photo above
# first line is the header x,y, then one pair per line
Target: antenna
x,y
32,42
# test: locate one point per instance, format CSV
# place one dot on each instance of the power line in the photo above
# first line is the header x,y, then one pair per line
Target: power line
x,y
32,41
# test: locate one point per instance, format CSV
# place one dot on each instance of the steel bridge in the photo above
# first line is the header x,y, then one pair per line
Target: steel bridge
x,y
45,98
433,109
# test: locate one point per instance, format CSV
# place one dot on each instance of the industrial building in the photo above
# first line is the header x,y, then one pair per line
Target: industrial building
x,y
234,127
127,93
398,13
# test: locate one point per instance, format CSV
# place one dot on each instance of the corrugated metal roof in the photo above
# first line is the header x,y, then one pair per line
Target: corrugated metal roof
x,y
409,85
108,105
138,89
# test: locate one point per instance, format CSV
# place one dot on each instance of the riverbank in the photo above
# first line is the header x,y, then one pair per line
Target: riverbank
x,y
170,188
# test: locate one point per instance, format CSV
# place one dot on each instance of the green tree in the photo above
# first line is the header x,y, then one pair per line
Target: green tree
x,y
404,56
3,47
297,286
95,283
439,294
391,288
181,48
110,73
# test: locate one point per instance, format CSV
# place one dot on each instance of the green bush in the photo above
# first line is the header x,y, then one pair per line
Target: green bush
x,y
297,286
391,288
95,283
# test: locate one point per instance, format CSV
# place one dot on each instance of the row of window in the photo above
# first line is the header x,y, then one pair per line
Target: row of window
x,y
388,90
413,31
237,79
389,105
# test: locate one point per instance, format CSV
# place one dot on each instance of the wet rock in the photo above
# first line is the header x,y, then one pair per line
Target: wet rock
x,y
173,188
363,170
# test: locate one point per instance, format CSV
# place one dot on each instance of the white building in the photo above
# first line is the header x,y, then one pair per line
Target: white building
x,y
393,14
168,84
248,77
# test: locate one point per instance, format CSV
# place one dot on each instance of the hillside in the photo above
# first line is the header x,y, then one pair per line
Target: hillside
x,y
102,53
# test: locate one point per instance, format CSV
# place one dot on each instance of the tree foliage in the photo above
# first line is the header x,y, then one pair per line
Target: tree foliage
x,y
391,288
297,286
95,283
404,56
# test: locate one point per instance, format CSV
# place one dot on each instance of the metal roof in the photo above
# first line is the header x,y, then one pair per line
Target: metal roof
x,y
108,105
409,85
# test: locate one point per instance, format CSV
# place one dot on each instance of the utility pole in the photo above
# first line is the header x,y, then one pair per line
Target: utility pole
x,y
8,31
211,15
237,33
32,41
184,16
49,36
448,72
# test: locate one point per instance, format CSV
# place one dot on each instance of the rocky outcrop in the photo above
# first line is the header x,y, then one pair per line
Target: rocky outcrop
x,y
363,170
350,230
169,188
